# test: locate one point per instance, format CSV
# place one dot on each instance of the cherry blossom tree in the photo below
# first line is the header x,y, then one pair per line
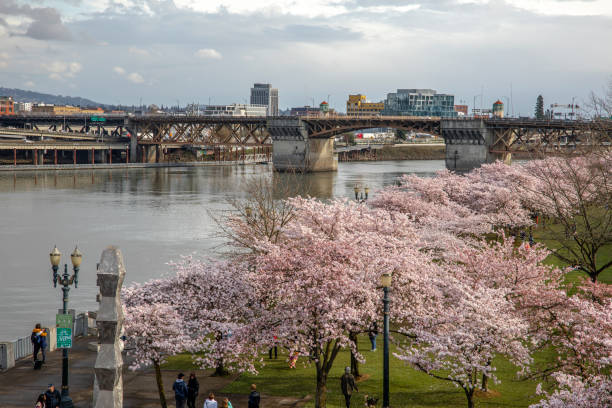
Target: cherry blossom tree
x,y
469,320
154,332
577,194
214,299
574,392
320,283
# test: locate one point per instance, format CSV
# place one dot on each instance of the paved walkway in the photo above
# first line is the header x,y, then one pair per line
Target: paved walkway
x,y
21,385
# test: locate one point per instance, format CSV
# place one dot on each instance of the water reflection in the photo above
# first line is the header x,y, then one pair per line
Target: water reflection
x,y
154,215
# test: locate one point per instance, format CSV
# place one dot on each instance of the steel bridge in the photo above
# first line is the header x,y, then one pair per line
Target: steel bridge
x,y
306,143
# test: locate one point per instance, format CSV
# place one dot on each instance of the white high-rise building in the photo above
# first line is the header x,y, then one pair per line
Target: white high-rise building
x,y
235,109
264,94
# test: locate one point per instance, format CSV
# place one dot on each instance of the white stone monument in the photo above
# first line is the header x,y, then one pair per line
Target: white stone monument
x,y
108,383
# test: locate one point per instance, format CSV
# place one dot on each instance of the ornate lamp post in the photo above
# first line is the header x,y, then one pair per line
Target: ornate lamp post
x,y
385,281
65,280
359,197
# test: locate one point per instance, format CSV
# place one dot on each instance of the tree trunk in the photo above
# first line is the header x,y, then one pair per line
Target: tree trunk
x,y
321,396
354,362
220,370
160,384
485,379
470,397
485,383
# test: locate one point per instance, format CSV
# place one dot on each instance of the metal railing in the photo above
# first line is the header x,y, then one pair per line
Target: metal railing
x,y
15,350
23,347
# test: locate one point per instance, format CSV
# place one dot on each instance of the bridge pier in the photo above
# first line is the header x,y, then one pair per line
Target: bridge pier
x,y
294,150
468,145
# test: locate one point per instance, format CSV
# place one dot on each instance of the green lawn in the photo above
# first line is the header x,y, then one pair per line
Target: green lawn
x,y
409,388
604,256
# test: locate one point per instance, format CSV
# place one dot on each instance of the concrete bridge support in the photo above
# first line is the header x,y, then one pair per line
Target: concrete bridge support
x,y
294,150
468,144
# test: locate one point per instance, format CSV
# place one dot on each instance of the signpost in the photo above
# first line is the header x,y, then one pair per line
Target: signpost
x,y
97,119
64,330
64,337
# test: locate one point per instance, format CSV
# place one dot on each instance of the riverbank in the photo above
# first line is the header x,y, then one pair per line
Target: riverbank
x,y
25,167
408,151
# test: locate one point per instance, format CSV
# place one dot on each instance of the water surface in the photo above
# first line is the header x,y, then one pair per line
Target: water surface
x,y
154,215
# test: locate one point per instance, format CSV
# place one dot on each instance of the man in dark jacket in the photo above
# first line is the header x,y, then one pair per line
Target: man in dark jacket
x,y
347,383
254,397
180,391
54,398
193,387
39,341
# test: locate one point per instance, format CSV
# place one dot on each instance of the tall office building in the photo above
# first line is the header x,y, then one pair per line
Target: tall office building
x,y
420,102
264,94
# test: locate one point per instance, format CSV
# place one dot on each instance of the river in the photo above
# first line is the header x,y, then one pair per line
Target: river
x,y
154,215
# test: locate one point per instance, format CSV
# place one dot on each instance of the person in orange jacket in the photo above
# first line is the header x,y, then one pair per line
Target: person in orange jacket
x,y
39,341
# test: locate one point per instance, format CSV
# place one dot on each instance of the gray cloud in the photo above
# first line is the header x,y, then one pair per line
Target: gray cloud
x,y
46,25
313,33
452,47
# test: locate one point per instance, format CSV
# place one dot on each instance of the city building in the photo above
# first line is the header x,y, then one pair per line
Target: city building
x,y
23,106
324,107
357,105
235,110
305,111
7,106
462,110
56,109
481,113
420,102
498,109
264,94
92,111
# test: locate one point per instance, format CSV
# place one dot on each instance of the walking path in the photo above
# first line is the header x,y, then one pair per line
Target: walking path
x,y
21,385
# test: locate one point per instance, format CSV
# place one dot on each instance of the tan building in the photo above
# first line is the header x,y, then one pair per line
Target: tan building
x,y
357,105
92,111
58,110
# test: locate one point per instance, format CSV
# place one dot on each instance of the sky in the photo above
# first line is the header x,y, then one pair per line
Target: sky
x,y
182,51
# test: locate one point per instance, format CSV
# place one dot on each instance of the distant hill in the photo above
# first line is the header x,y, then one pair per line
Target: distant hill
x,y
20,95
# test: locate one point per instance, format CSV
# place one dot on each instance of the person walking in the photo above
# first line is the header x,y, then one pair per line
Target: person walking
x,y
372,333
39,341
254,397
193,388
210,401
226,403
40,402
180,391
53,397
347,384
274,348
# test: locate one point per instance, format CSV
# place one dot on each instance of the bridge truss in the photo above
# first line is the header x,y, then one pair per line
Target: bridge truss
x,y
205,131
324,127
542,137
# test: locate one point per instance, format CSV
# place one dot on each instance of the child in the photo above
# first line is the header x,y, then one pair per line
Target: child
x,y
293,359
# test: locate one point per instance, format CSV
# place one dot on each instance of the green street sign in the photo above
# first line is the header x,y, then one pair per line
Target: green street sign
x,y
64,337
63,320
97,119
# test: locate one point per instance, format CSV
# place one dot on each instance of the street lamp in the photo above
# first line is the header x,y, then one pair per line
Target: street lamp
x,y
360,197
65,280
385,282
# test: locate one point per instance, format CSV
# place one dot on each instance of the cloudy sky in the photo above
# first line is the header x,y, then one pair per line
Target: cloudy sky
x,y
164,51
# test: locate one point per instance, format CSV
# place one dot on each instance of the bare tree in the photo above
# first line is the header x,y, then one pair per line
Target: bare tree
x,y
263,213
576,193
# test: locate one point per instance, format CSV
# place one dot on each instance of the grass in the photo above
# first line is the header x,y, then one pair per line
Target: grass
x,y
409,387
604,255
